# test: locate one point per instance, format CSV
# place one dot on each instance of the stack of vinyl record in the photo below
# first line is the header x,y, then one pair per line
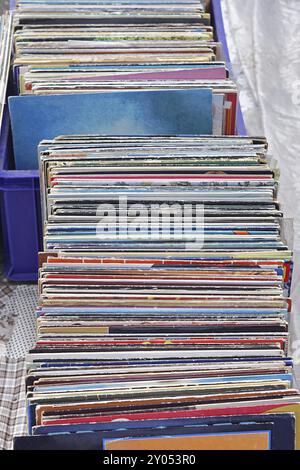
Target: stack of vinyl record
x,y
164,298
164,283
112,67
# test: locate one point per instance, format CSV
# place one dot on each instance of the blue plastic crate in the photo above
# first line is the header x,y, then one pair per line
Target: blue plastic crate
x,y
20,192
20,214
217,18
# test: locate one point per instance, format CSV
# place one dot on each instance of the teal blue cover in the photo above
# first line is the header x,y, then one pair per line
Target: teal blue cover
x,y
165,112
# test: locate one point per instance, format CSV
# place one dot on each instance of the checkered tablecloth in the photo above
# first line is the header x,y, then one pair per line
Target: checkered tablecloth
x,y
12,401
